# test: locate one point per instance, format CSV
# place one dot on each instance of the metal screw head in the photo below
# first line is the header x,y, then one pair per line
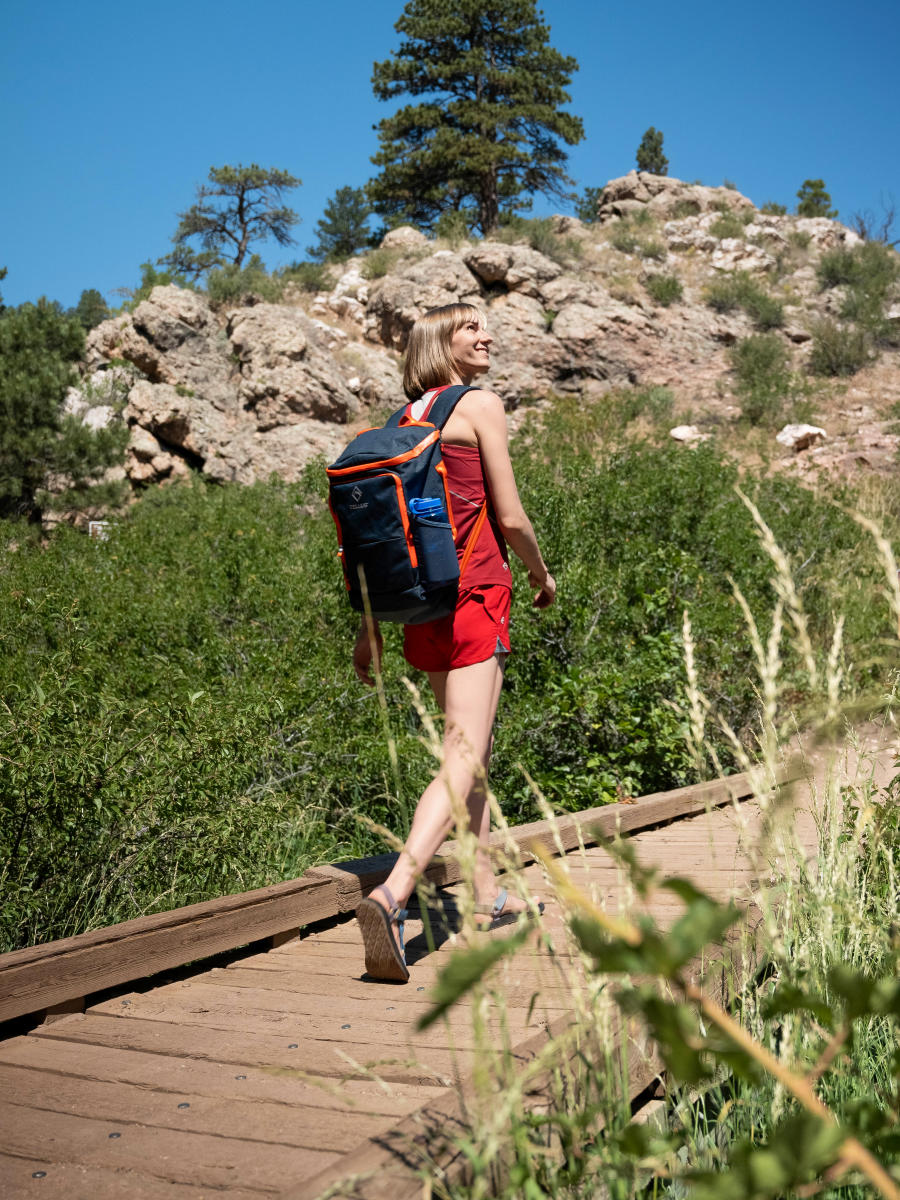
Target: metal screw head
x,y
345,1027
38,1174
292,1046
421,989
184,1104
240,1076
114,1135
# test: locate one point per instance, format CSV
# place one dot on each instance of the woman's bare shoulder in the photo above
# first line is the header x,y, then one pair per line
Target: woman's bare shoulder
x,y
481,400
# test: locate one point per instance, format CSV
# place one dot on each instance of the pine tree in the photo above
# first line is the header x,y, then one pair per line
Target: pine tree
x,y
240,205
650,157
90,310
488,134
586,204
344,227
39,345
813,200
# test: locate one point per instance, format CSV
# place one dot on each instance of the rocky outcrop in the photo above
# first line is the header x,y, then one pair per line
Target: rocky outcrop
x,y
665,197
267,387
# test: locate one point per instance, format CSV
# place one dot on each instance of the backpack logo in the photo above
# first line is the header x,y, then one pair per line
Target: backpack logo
x,y
357,494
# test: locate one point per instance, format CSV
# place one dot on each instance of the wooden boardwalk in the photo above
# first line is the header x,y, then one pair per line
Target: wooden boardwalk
x,y
280,1070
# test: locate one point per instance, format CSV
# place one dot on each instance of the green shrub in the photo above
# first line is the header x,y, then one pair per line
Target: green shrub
x,y
685,208
728,225
771,209
664,289
838,349
378,263
763,377
453,226
232,284
741,290
653,249
869,272
180,717
308,276
39,347
623,238
799,239
764,310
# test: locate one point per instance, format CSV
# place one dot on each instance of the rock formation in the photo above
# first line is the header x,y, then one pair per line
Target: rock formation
x,y
258,388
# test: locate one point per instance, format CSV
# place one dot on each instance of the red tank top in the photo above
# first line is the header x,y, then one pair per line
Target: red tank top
x,y
489,561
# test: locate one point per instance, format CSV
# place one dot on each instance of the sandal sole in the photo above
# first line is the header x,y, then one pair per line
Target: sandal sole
x,y
383,957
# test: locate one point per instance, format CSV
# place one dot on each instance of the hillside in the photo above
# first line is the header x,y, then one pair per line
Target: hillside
x,y
748,318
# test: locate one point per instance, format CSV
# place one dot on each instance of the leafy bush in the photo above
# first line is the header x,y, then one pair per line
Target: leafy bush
x,y
380,262
799,239
623,238
39,346
232,284
652,248
151,278
728,225
838,349
740,290
308,276
664,289
869,272
180,717
453,226
763,375
685,208
771,209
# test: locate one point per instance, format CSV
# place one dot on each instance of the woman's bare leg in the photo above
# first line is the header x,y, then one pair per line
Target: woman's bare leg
x,y
468,697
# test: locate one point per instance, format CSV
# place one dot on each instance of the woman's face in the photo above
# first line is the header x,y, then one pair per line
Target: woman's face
x,y
470,349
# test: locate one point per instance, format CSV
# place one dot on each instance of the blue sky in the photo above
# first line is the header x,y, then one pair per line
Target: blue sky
x,y
114,113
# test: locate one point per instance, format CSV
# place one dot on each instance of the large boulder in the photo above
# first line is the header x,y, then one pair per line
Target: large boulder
x,y
664,196
404,237
172,337
513,267
284,371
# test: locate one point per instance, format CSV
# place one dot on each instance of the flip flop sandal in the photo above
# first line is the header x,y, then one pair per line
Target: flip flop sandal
x,y
385,956
496,913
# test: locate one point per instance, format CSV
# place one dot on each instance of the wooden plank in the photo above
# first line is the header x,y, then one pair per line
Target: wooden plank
x,y
225,1081
254,1120
169,1154
356,878
27,1178
335,1028
41,976
436,1067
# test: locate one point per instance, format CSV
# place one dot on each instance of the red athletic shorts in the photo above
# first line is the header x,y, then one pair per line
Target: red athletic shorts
x,y
476,631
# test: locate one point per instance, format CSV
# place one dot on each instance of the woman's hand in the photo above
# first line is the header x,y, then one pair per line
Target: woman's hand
x,y
546,589
366,649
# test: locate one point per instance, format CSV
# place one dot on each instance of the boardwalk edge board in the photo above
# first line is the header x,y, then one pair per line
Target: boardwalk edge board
x,y
56,973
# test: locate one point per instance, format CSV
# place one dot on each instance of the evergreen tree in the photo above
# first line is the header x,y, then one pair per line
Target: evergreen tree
x,y
90,310
344,227
238,206
39,345
813,200
586,204
490,128
650,157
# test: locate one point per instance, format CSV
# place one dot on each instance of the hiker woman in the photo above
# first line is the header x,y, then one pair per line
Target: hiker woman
x,y
464,654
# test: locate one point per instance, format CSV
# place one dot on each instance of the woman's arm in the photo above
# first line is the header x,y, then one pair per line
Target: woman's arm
x,y
486,413
365,650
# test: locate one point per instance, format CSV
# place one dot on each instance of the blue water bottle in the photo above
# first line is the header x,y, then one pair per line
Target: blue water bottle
x,y
429,508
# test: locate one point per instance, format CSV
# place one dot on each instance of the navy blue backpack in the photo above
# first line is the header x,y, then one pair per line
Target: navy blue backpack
x,y
405,565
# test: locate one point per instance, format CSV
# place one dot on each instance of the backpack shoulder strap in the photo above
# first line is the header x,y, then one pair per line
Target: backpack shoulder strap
x,y
441,407
444,404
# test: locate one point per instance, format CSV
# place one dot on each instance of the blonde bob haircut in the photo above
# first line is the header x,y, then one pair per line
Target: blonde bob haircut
x,y
429,363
